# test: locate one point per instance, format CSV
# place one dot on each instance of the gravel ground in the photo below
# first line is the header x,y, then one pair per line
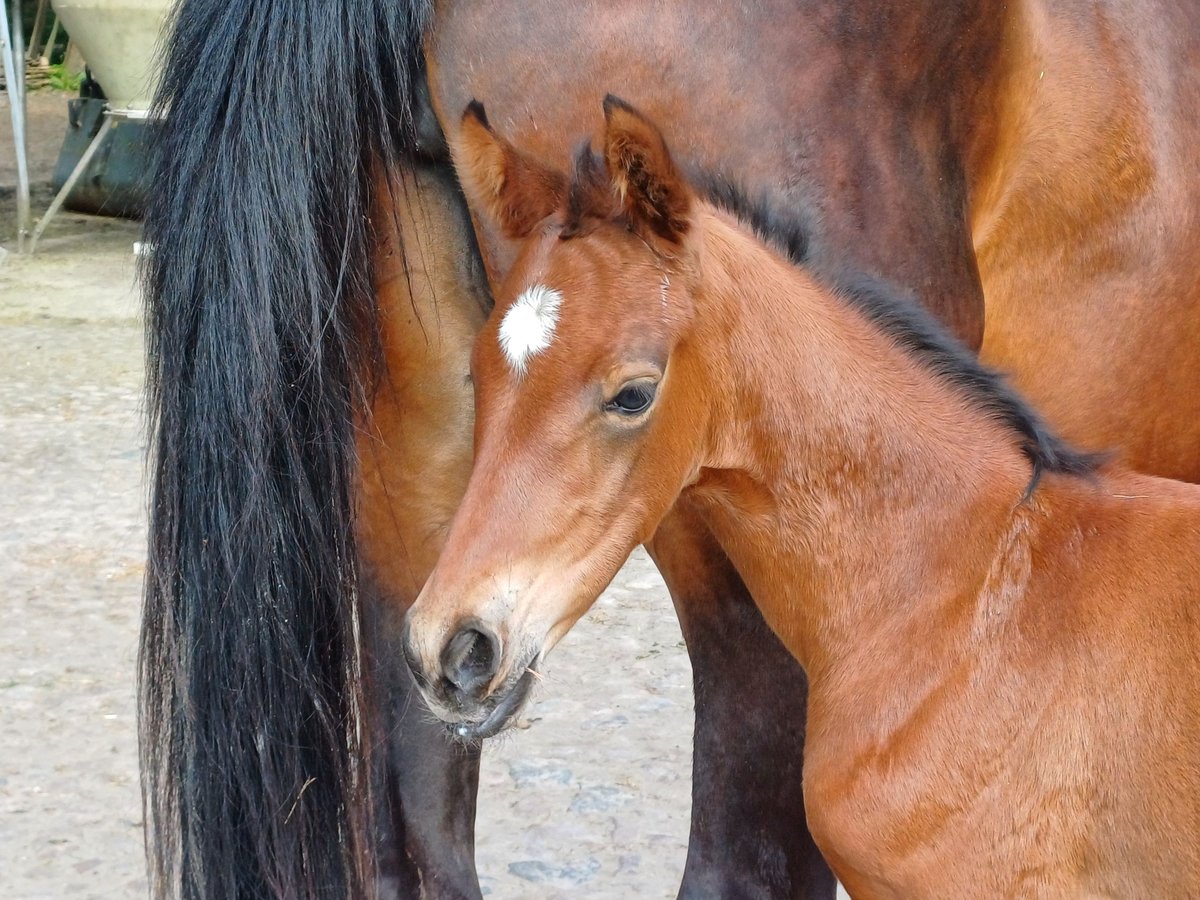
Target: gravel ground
x,y
591,799
71,562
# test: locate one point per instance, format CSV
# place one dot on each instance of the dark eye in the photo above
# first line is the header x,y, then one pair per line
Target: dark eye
x,y
633,398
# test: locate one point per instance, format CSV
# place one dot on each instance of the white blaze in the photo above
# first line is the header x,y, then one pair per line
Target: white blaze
x,y
528,326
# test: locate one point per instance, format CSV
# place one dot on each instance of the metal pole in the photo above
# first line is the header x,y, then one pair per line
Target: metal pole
x,y
53,37
14,75
17,36
61,196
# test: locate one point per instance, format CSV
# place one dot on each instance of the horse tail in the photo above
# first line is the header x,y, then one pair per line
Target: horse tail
x,y
261,329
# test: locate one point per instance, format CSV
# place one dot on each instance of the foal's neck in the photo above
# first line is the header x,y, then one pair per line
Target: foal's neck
x,y
860,495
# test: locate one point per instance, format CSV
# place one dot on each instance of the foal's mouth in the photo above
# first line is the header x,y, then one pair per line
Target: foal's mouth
x,y
509,702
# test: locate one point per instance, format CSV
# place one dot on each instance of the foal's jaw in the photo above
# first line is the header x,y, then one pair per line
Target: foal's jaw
x,y
512,579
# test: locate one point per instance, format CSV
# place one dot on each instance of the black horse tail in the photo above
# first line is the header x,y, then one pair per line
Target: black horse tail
x,y
262,345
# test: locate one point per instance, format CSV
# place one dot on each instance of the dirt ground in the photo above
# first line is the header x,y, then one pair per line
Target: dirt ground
x,y
591,800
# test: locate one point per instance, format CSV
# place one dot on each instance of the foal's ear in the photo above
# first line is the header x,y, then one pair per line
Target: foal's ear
x,y
654,196
507,185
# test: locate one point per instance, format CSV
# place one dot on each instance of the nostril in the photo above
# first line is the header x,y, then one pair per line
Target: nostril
x,y
471,658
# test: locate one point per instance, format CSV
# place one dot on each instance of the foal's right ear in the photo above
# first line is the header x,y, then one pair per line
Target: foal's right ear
x,y
510,187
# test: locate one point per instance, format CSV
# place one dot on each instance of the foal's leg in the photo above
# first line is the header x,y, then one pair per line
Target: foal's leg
x,y
749,837
414,461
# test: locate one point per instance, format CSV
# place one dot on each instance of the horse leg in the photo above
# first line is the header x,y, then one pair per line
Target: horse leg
x,y
414,461
425,783
749,837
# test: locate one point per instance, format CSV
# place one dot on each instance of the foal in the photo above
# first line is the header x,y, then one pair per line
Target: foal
x,y
1001,642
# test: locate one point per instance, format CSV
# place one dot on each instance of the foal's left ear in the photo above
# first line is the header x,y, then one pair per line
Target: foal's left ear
x,y
654,196
509,186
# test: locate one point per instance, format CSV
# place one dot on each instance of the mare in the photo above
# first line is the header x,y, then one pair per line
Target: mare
x,y
1001,639
318,279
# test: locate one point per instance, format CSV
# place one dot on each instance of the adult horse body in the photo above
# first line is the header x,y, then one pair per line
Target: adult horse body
x,y
312,419
983,643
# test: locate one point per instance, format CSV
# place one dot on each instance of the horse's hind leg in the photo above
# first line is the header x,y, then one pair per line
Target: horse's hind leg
x,y
414,462
749,837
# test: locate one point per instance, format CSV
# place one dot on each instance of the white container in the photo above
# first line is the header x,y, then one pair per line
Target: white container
x,y
119,40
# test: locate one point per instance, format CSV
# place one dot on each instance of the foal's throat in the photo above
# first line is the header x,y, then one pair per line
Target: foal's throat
x,y
850,485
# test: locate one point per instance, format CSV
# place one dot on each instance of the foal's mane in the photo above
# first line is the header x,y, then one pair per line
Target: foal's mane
x,y
892,310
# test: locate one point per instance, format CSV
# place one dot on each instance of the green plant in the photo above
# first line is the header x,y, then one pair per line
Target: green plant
x,y
62,80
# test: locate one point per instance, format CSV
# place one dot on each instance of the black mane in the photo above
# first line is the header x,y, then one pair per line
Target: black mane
x,y
899,315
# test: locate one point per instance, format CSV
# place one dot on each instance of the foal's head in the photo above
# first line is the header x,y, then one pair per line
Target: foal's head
x,y
589,410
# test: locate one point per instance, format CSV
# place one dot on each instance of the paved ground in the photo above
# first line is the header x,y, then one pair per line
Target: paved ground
x,y
592,798
70,571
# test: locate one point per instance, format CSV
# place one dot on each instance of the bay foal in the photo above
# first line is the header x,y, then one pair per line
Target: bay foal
x,y
1001,639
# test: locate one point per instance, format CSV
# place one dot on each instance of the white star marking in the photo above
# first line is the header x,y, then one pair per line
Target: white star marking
x,y
528,326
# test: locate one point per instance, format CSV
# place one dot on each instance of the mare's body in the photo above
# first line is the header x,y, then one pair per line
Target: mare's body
x,y
1004,681
1041,156
1026,170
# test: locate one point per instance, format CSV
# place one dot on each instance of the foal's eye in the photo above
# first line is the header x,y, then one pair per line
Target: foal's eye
x,y
635,397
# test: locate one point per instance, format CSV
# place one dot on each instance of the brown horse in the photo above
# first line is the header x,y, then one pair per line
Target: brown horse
x,y
1001,642
309,333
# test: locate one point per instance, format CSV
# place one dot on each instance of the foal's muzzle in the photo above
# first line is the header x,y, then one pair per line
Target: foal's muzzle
x,y
460,689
